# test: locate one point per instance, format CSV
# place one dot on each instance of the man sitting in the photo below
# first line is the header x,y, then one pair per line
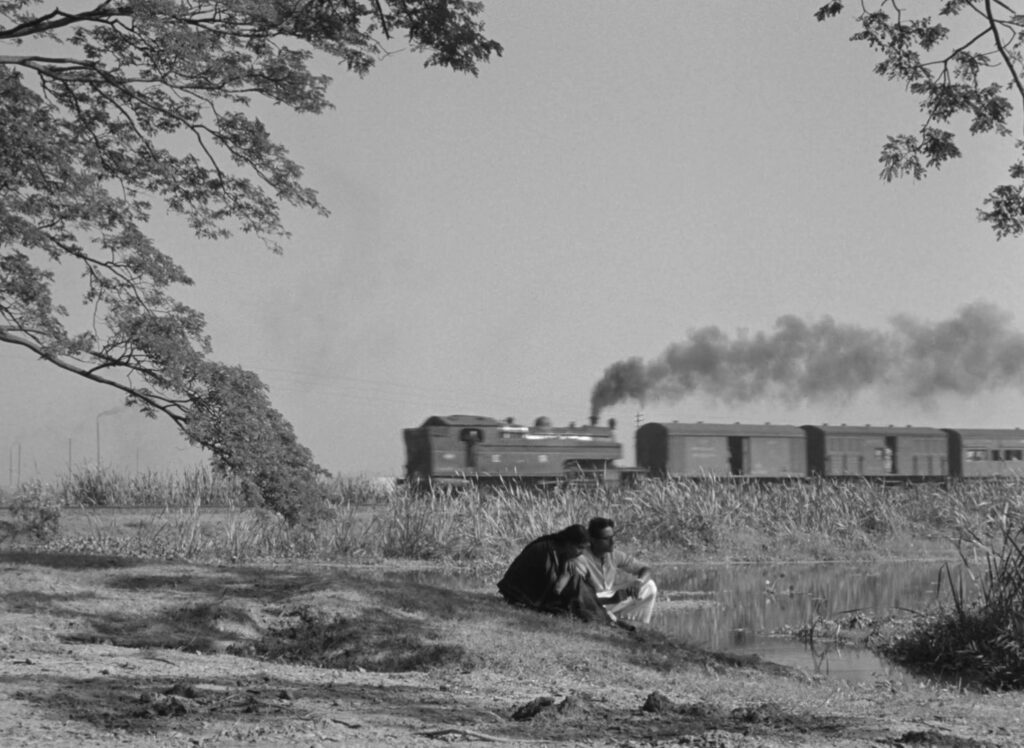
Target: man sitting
x,y
599,564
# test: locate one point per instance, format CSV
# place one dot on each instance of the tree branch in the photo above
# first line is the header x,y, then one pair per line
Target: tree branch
x,y
168,407
1002,51
58,19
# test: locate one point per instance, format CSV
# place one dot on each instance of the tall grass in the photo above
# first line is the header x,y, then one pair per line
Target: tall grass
x,y
980,635
678,519
201,515
105,487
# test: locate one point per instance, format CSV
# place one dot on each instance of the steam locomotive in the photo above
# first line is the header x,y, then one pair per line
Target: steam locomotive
x,y
477,448
481,449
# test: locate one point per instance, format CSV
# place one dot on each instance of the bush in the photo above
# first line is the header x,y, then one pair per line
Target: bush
x,y
35,513
980,637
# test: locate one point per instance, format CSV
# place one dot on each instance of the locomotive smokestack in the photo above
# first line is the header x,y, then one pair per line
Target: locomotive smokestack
x,y
593,419
975,351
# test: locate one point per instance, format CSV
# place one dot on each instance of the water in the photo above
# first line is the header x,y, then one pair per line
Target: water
x,y
737,609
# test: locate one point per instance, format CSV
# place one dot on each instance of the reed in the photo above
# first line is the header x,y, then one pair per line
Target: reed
x,y
979,636
106,487
200,514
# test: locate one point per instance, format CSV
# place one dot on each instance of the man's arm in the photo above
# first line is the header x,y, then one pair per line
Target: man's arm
x,y
632,565
643,575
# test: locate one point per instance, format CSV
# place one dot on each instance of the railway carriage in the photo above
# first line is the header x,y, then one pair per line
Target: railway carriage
x,y
976,453
694,450
877,451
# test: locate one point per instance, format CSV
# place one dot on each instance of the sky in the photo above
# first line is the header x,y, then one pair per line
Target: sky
x,y
625,175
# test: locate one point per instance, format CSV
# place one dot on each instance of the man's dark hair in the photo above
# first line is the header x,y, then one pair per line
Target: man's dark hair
x,y
598,525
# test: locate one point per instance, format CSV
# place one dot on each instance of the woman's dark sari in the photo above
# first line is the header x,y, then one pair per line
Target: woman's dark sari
x,y
530,582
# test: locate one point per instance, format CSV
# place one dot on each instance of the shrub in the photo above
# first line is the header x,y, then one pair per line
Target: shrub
x,y
35,513
981,635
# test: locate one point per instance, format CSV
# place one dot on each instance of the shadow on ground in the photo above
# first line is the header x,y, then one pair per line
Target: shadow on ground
x,y
68,560
285,613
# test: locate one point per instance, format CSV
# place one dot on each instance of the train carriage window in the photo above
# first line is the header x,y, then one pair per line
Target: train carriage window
x,y
996,456
1014,455
976,455
471,436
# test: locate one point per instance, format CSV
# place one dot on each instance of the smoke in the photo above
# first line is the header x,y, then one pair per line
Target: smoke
x,y
800,361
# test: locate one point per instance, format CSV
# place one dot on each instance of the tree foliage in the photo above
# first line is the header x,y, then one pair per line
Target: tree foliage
x,y
120,106
966,66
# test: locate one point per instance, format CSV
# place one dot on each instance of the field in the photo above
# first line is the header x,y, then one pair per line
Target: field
x,y
187,626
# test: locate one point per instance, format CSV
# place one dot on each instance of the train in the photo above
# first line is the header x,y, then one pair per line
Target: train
x,y
484,450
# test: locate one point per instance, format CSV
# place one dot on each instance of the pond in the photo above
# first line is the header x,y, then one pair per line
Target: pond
x,y
737,608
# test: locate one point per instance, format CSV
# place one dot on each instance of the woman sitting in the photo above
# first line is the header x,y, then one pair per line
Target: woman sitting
x,y
542,578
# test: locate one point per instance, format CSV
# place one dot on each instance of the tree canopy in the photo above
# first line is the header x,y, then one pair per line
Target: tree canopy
x,y
965,66
121,106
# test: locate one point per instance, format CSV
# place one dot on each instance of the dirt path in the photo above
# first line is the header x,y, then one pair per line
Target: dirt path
x,y
101,651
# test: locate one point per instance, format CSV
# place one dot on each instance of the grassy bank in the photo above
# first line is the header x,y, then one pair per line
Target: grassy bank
x,y
981,638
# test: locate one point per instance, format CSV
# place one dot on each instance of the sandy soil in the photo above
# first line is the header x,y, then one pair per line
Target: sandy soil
x,y
101,651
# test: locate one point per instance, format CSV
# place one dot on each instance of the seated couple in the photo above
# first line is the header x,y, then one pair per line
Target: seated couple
x,y
572,572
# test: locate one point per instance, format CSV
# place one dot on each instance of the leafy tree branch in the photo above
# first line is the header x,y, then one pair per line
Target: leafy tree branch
x,y
123,105
966,65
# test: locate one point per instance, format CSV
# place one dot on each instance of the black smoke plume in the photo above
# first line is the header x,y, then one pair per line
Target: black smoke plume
x,y
975,351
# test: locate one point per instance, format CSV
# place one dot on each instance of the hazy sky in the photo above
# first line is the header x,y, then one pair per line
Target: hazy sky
x,y
625,174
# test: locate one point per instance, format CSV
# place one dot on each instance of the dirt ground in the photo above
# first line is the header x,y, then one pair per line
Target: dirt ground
x,y
102,651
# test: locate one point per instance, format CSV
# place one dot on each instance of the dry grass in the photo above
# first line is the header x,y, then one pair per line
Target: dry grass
x,y
363,519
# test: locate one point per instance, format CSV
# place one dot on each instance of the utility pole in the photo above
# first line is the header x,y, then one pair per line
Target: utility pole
x,y
11,481
111,412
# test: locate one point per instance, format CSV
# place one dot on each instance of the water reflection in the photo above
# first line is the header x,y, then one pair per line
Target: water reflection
x,y
737,608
